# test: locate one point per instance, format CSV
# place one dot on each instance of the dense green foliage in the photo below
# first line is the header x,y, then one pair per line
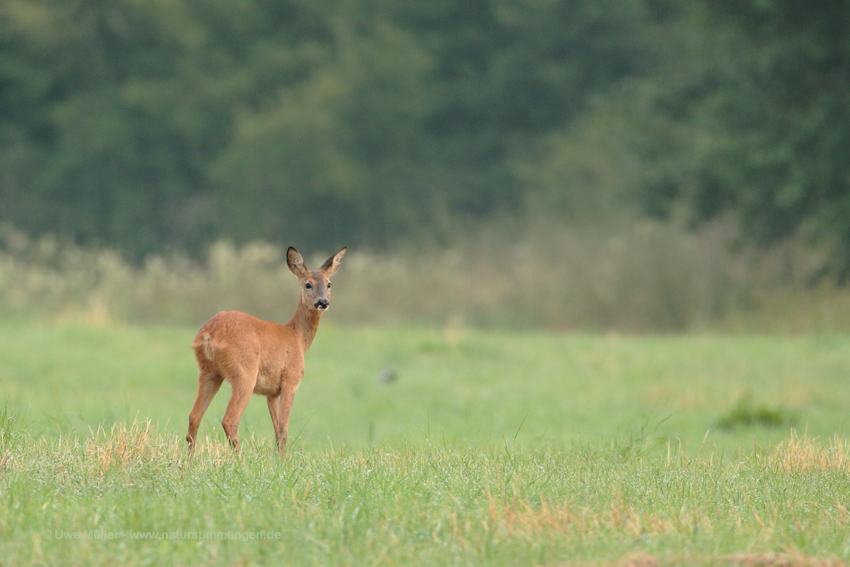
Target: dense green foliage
x,y
755,120
152,124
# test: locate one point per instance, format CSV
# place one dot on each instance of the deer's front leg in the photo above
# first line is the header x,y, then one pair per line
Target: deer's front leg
x,y
274,412
287,396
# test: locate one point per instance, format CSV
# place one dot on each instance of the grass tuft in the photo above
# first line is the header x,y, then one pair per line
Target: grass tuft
x,y
12,431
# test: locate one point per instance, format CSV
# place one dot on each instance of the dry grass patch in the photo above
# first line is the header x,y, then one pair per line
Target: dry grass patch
x,y
736,560
805,454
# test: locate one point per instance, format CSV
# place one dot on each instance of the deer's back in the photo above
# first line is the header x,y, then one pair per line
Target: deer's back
x,y
235,339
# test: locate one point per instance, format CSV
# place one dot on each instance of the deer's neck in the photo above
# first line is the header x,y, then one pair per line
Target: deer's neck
x,y
305,323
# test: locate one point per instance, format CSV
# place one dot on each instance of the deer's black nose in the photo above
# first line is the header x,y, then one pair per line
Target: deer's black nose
x,y
322,304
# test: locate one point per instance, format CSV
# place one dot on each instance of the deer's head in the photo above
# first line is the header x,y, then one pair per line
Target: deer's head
x,y
315,285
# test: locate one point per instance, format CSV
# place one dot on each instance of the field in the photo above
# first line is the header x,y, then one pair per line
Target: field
x,y
485,448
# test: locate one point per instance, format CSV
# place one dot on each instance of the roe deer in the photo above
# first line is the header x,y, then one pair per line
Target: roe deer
x,y
260,357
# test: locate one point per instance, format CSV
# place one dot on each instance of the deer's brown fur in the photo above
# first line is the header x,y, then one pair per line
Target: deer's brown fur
x,y
260,357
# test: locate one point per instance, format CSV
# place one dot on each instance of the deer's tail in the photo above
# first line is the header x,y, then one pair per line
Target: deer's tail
x,y
208,349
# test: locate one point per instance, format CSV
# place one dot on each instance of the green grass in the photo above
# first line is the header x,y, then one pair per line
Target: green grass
x,y
490,448
452,386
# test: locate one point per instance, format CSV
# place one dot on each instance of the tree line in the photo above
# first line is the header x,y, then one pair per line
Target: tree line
x,y
149,125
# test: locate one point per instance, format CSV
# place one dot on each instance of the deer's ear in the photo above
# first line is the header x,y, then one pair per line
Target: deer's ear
x,y
295,262
331,265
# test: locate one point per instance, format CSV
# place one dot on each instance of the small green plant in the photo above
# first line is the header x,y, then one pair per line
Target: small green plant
x,y
746,413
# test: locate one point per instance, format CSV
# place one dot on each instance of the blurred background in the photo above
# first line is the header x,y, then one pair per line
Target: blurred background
x,y
600,165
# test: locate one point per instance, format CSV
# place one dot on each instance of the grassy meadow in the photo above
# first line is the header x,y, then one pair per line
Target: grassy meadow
x,y
489,447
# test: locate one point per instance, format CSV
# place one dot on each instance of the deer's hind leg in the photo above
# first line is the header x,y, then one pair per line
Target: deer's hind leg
x,y
243,382
208,385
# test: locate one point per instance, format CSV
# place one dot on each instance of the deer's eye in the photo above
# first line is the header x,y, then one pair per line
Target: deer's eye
x,y
329,285
308,285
